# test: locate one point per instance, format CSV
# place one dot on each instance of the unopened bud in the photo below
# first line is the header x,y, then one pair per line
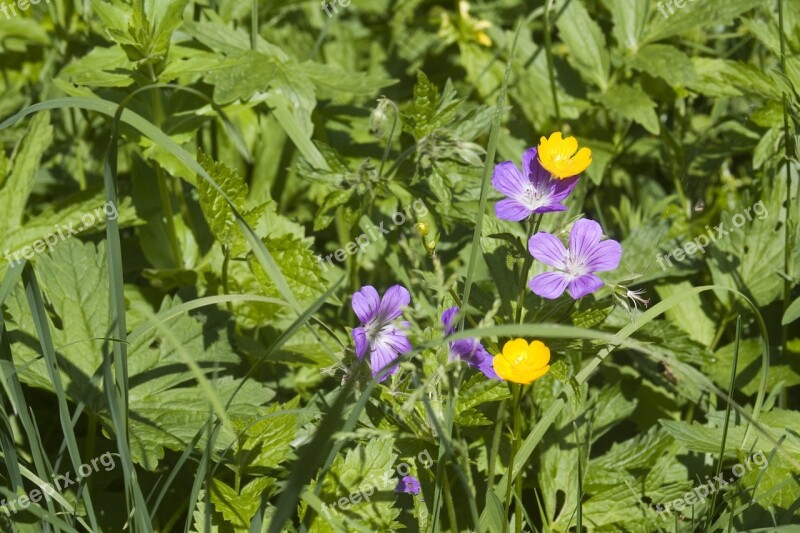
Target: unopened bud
x,y
379,119
422,228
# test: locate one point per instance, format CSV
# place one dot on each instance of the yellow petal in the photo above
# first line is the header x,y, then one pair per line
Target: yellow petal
x,y
534,375
538,354
513,349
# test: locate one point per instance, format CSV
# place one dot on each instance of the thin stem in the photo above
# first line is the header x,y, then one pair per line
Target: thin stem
x,y
548,46
391,136
533,227
515,391
788,245
254,25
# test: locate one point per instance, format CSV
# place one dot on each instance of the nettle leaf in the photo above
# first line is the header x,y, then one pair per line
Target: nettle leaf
x,y
266,439
239,509
364,468
24,165
632,103
301,268
218,212
429,111
666,62
750,257
479,390
587,44
723,77
630,20
670,21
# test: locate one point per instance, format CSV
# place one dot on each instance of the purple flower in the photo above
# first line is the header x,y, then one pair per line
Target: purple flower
x,y
379,333
409,485
575,267
534,190
469,350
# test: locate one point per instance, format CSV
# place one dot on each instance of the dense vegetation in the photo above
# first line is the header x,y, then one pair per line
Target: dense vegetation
x,y
379,264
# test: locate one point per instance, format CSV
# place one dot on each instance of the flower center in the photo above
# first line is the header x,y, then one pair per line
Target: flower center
x,y
575,268
532,197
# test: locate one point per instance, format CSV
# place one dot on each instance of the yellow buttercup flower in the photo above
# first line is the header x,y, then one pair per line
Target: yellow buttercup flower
x,y
558,157
521,362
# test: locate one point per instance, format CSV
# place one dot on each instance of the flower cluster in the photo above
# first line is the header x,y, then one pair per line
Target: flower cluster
x,y
549,174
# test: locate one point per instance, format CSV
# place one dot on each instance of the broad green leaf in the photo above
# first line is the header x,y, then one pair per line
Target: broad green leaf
x,y
689,315
630,19
666,62
587,45
238,509
218,212
669,20
632,103
24,165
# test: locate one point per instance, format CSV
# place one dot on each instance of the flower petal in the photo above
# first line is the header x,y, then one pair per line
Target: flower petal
x,y
548,249
447,319
605,256
538,354
382,356
512,210
508,179
583,237
360,339
487,367
563,188
586,284
394,300
365,303
549,285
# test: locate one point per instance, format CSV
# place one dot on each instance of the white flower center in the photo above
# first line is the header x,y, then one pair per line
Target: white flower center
x,y
575,268
532,198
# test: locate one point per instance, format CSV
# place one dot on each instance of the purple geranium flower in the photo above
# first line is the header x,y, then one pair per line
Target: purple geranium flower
x,y
534,190
409,485
469,350
379,333
576,266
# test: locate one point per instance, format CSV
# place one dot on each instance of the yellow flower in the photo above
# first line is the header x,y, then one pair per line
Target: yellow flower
x,y
558,156
521,362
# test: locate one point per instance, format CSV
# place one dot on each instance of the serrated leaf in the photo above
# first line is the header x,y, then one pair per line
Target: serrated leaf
x,y
666,62
632,103
218,212
587,45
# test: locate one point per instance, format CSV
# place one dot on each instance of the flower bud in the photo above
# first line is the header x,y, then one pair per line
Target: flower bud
x,y
422,228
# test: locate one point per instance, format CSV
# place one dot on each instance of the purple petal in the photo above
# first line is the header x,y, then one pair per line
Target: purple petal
x,y
409,485
548,249
382,356
535,172
487,367
365,303
394,300
605,256
396,339
562,188
447,319
507,179
550,208
583,237
360,339
549,285
583,285
512,210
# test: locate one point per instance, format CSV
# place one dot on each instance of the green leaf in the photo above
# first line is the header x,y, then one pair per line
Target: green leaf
x,y
218,212
587,45
632,103
24,165
266,439
666,62
689,314
630,20
671,21
792,313
723,77
238,509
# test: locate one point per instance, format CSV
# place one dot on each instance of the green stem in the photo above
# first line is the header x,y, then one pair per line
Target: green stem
x,y
548,46
515,391
533,227
788,245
